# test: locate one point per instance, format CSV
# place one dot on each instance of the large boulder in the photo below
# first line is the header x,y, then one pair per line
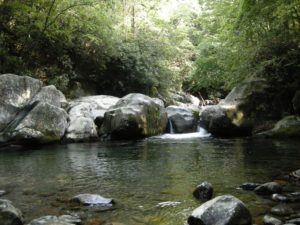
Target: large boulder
x,y
44,123
222,210
288,127
9,215
51,95
134,116
29,111
184,120
15,93
252,105
83,114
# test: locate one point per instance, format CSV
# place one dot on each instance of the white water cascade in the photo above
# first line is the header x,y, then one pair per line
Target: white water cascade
x,y
201,133
171,129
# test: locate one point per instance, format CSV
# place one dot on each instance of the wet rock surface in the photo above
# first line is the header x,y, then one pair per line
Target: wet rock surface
x,y
57,220
203,191
269,220
9,215
93,199
268,188
222,210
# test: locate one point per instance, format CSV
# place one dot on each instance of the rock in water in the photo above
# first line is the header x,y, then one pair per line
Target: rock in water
x,y
167,204
249,186
9,215
184,120
134,116
2,192
269,220
222,210
204,191
93,199
84,113
268,189
295,175
282,210
54,220
288,127
43,124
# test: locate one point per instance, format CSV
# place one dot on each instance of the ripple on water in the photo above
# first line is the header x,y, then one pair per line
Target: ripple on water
x,y
140,175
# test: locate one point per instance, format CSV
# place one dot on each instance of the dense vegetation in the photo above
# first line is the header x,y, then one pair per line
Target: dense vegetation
x,y
154,47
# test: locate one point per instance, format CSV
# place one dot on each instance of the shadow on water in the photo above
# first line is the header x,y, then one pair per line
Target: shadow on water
x,y
139,175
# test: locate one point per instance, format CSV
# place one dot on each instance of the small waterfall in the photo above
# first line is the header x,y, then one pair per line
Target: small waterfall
x,y
202,132
171,129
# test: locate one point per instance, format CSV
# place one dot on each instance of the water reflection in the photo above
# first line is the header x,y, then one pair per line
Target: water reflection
x,y
139,175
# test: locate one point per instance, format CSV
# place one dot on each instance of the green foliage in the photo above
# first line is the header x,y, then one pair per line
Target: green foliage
x,y
244,38
109,47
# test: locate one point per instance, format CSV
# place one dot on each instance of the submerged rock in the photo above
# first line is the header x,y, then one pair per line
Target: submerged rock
x,y
184,120
269,220
93,199
84,113
222,210
249,186
167,204
282,210
9,215
291,197
2,192
134,116
268,189
54,220
204,191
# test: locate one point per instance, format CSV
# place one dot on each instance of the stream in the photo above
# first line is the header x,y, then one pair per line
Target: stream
x,y
140,175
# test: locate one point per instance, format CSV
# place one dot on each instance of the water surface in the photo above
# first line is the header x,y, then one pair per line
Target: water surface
x,y
139,175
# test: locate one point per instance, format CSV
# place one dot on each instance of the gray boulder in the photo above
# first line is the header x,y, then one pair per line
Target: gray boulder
x,y
296,102
51,95
9,215
268,189
57,220
251,106
83,114
15,93
43,124
184,120
134,116
222,210
288,127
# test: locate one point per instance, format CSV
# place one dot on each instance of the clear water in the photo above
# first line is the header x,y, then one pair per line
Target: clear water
x,y
139,175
